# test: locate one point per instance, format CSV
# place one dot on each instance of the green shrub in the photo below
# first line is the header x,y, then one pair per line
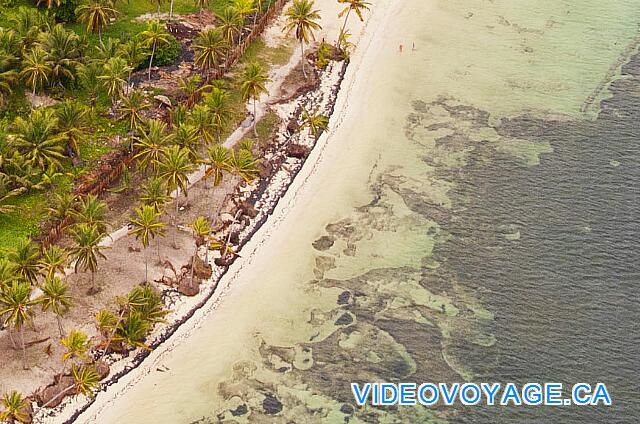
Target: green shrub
x,y
66,12
166,54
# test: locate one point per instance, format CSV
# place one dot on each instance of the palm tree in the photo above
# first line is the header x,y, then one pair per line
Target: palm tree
x,y
15,407
8,195
151,143
201,231
63,206
200,119
131,108
135,53
107,50
303,18
87,249
146,225
49,3
175,167
55,297
155,35
158,3
96,14
192,89
53,260
243,164
230,23
36,68
26,257
316,122
218,160
153,194
85,381
114,78
72,122
89,80
146,301
219,110
16,307
210,46
357,6
7,273
92,211
63,49
76,345
244,7
38,139
186,136
252,87
132,330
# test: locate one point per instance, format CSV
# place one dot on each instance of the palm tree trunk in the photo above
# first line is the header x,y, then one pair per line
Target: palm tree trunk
x,y
193,265
158,9
60,327
255,119
100,33
13,341
146,264
112,335
153,53
171,9
344,25
24,349
93,281
303,59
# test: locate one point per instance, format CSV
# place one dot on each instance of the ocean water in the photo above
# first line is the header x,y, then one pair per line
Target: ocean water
x,y
474,217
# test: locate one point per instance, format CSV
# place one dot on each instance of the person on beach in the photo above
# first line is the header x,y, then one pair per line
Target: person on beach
x,y
400,48
413,47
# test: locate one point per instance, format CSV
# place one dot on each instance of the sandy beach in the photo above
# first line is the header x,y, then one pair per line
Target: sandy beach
x,y
258,246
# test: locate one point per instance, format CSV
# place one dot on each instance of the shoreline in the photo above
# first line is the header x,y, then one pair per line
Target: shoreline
x,y
272,197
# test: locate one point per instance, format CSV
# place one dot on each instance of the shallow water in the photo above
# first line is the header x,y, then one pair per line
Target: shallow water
x,y
482,228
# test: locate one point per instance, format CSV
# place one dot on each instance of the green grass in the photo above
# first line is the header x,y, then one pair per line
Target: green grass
x,y
24,222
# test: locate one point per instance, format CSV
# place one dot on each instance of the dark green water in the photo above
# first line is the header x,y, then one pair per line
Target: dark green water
x,y
565,294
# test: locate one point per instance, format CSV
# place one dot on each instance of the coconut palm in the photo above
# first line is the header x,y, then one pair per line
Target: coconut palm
x,y
36,68
54,259
218,160
174,169
7,196
192,89
106,50
135,52
146,225
201,230
302,18
316,122
154,194
8,76
210,47
131,109
96,14
76,345
150,144
89,80
252,87
155,35
87,249
158,3
55,297
63,49
186,136
243,164
357,6
63,205
244,7
202,4
146,301
92,211
230,23
14,408
8,273
85,379
132,330
38,139
49,3
73,123
16,309
114,78
219,110
200,119
26,256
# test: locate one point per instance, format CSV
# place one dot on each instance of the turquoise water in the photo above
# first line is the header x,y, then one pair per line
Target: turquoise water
x,y
473,218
